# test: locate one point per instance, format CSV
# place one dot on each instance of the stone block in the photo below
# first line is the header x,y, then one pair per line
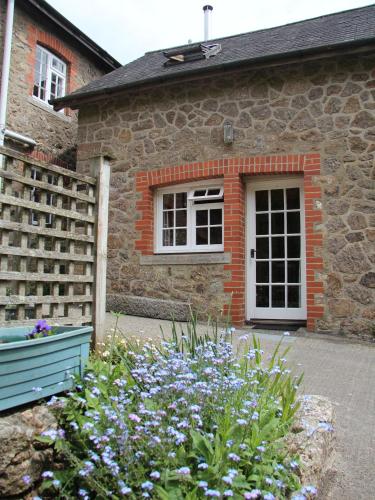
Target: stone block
x,y
312,437
148,307
368,280
357,221
341,308
20,453
351,260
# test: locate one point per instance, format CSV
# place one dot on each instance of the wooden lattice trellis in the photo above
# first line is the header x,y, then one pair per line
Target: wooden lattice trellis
x,y
48,229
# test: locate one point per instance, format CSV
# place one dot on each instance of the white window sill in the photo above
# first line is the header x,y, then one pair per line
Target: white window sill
x,y
46,107
186,259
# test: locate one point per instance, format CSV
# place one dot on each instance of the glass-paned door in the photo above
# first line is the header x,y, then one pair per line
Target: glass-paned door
x,y
276,251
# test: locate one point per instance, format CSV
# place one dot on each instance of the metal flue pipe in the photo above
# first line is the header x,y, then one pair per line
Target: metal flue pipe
x,y
207,9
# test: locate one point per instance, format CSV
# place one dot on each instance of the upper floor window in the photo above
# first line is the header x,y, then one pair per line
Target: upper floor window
x,y
49,75
190,219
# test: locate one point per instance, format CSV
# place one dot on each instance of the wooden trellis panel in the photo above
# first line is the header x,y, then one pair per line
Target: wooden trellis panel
x,y
47,252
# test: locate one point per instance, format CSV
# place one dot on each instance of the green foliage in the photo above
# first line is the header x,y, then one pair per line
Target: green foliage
x,y
188,419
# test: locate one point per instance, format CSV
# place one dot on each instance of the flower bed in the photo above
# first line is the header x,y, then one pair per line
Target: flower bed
x,y
186,420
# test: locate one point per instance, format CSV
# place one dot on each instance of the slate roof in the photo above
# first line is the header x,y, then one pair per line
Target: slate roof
x,y
344,29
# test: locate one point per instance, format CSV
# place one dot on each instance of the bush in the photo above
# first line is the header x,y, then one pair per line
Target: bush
x,y
188,419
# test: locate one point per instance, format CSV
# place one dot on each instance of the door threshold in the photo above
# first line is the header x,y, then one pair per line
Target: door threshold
x,y
282,325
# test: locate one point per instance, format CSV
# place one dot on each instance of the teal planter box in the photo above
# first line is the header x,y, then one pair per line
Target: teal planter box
x,y
46,363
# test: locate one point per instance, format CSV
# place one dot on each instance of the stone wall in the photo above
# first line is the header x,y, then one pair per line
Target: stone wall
x,y
55,133
325,107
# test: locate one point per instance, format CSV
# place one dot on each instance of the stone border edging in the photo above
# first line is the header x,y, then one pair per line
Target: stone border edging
x,y
312,437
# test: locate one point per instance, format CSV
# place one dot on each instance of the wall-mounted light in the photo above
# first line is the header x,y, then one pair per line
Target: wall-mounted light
x,y
228,133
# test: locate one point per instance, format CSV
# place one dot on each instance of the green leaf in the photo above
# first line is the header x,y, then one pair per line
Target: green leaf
x,y
202,445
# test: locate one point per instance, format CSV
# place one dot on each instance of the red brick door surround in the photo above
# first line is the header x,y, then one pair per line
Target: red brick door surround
x,y
233,171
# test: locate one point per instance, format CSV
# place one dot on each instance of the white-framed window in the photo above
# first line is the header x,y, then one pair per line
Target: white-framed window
x,y
190,218
49,75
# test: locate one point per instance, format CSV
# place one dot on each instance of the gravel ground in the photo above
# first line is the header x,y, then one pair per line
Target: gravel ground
x,y
341,369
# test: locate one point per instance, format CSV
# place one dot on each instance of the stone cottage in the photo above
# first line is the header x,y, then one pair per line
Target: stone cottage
x,y
243,174
49,57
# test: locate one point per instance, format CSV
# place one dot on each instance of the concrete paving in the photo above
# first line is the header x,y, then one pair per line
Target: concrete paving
x,y
344,371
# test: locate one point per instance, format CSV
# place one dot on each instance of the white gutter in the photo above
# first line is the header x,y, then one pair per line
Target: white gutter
x,y
6,68
5,81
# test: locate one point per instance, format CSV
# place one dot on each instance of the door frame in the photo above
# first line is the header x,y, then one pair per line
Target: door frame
x,y
271,182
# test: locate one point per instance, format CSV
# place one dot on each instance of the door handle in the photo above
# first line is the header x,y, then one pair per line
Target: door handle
x,y
252,253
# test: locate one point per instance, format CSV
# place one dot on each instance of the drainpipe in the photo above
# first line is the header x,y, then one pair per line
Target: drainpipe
x,y
15,136
6,67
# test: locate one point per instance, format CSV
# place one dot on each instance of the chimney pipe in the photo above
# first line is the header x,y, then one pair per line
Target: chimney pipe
x,y
207,9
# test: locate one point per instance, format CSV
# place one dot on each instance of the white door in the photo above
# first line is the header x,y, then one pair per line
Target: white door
x,y
276,276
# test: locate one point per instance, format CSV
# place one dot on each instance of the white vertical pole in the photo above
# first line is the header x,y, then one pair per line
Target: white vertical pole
x,y
207,9
101,168
6,67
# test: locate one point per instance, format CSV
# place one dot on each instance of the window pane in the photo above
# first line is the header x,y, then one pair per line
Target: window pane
x,y
216,216
293,222
278,296
277,248
261,201
40,74
202,218
168,201
213,192
294,296
202,236
277,223
53,90
261,223
294,246
278,272
293,271
180,237
277,199
181,200
180,218
262,272
59,65
168,219
216,235
168,237
262,297
199,192
262,248
292,198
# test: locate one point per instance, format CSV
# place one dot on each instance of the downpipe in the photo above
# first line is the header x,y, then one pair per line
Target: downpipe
x,y
6,68
4,132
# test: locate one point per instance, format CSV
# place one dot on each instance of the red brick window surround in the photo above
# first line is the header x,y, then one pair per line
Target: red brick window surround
x,y
233,171
36,37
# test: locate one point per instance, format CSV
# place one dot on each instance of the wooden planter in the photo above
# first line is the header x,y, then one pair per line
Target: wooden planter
x,y
33,369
